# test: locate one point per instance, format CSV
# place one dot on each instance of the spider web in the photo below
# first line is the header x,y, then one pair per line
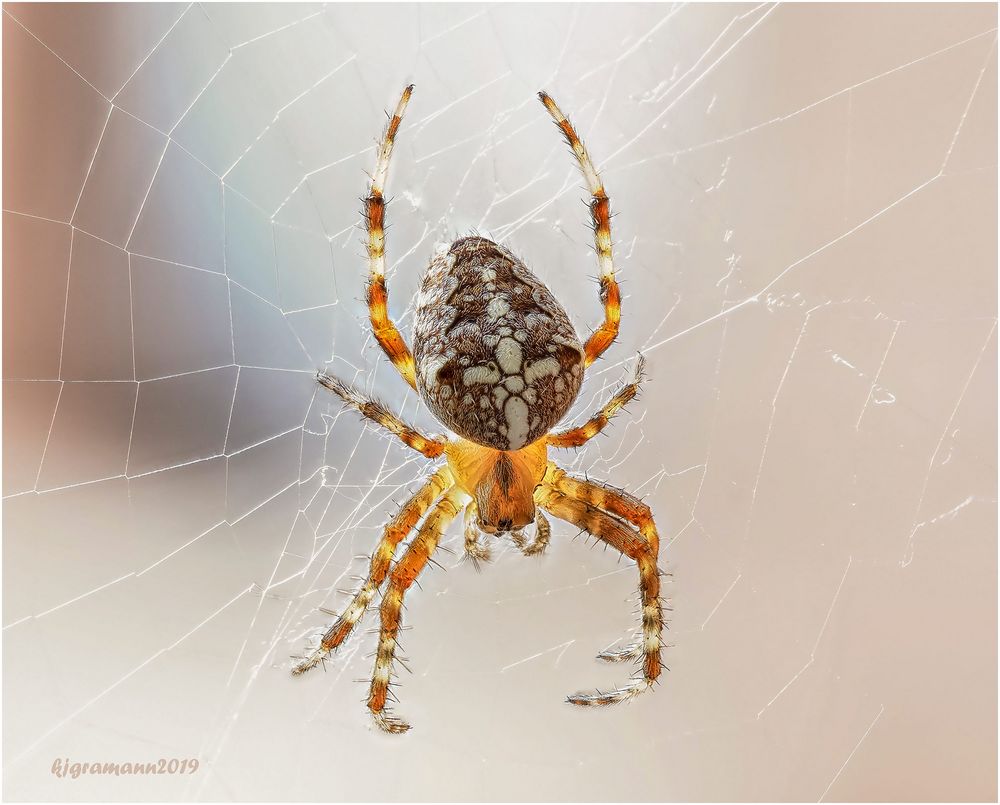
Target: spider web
x,y
806,243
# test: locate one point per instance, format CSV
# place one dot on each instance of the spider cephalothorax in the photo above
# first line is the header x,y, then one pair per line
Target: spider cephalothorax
x,y
501,483
498,362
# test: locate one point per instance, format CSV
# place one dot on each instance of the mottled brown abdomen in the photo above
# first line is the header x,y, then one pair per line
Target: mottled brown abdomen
x,y
497,358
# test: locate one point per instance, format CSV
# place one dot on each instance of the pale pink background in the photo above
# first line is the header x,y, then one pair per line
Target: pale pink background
x,y
806,232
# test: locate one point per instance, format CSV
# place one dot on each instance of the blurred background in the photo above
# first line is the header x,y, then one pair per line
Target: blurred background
x,y
806,239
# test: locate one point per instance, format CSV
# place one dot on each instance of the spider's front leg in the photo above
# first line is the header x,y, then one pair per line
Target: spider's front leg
x,y
403,575
570,505
395,532
615,501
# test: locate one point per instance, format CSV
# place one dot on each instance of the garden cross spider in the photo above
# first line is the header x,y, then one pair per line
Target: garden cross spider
x,y
496,359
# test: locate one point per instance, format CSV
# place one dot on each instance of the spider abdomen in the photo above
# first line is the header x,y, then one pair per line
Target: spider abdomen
x,y
497,359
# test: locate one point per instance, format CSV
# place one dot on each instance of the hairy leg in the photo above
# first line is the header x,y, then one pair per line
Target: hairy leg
x,y
602,496
385,330
403,575
620,536
600,212
395,532
621,504
576,437
378,413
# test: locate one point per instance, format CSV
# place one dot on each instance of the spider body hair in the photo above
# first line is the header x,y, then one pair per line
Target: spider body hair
x,y
497,358
497,361
502,483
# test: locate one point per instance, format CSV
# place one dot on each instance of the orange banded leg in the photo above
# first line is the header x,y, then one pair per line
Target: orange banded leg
x,y
395,532
623,505
631,543
385,331
576,437
600,213
615,501
378,413
403,575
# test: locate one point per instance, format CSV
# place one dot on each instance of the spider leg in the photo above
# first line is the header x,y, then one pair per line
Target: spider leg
x,y
636,546
607,498
378,413
477,551
395,532
576,437
621,504
385,331
600,212
403,575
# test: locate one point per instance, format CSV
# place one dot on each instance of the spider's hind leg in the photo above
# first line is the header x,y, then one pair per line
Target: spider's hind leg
x,y
600,213
386,332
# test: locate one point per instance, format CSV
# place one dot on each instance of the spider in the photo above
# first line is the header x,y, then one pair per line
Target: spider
x,y
497,361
